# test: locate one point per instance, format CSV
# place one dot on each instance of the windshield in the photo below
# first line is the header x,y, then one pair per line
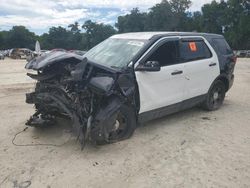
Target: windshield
x,y
115,53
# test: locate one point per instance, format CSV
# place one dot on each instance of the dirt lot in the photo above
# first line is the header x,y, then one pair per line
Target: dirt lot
x,y
193,148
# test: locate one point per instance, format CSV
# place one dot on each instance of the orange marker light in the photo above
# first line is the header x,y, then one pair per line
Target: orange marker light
x,y
192,46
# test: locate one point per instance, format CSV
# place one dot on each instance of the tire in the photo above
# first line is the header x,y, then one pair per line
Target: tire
x,y
126,125
215,96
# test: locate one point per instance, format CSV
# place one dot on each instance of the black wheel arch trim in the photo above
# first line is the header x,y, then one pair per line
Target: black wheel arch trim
x,y
224,78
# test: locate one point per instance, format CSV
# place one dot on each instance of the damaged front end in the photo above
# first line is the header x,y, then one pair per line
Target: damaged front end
x,y
90,95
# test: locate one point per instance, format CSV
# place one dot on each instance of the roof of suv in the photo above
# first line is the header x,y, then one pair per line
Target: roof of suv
x,y
149,35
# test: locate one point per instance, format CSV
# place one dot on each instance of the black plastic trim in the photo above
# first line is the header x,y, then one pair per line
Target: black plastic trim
x,y
176,72
212,64
161,112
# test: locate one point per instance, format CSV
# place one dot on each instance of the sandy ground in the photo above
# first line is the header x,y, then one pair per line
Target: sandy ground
x,y
193,148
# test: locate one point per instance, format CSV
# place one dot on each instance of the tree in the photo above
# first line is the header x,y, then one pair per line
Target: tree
x,y
214,19
180,6
2,41
57,37
74,28
238,23
197,21
20,37
133,22
76,38
182,17
230,18
96,33
164,16
161,17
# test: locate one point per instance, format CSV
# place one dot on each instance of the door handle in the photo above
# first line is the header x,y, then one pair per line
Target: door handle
x,y
177,72
212,64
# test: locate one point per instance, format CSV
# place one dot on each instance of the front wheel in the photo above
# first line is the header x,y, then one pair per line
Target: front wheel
x,y
215,96
123,126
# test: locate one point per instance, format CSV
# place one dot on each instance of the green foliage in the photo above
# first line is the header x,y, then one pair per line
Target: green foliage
x,y
179,6
164,16
213,17
230,18
56,38
18,37
133,22
96,33
2,40
74,28
161,18
238,25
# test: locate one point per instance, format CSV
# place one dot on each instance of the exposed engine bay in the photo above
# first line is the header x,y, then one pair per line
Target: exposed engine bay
x,y
89,94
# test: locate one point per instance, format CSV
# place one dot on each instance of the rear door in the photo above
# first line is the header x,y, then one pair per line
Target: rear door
x,y
201,66
165,87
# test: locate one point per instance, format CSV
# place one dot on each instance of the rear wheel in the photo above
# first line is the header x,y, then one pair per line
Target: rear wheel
x,y
123,127
215,96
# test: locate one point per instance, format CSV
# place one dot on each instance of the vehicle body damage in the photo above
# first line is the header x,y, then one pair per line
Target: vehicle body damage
x,y
89,94
129,79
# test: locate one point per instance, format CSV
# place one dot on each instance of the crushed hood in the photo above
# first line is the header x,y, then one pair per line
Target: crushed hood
x,y
43,61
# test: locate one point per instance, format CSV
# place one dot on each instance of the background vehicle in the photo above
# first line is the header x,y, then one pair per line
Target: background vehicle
x,y
2,56
129,79
248,53
20,53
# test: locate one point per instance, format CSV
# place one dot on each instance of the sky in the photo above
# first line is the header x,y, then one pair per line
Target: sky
x,y
39,15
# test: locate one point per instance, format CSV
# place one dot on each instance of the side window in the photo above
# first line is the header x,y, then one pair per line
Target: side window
x,y
166,54
222,46
194,50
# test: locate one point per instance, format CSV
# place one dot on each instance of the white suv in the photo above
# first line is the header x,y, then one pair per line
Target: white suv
x,y
129,79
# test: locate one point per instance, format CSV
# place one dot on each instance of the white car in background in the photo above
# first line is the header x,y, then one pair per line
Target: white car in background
x,y
2,56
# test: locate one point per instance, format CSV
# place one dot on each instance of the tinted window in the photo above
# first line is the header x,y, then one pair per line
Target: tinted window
x,y
166,54
194,50
222,46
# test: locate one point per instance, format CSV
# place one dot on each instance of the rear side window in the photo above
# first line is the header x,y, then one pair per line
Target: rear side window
x,y
194,50
222,46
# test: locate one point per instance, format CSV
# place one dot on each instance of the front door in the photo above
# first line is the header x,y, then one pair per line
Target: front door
x,y
165,87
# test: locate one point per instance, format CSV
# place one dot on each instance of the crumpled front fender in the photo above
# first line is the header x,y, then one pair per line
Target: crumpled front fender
x,y
104,120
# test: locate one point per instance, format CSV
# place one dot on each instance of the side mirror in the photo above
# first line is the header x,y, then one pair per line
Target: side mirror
x,y
149,66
